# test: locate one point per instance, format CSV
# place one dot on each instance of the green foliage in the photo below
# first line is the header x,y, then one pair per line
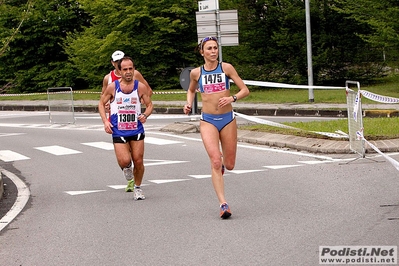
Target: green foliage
x,y
380,16
159,35
274,36
35,59
68,43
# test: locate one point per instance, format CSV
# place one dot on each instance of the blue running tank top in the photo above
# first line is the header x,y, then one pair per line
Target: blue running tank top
x,y
213,81
125,108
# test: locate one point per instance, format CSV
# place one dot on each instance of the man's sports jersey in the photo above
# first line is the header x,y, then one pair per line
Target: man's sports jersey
x,y
124,109
112,77
213,81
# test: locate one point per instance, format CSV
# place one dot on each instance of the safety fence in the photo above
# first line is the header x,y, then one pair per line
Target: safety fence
x,y
356,129
60,105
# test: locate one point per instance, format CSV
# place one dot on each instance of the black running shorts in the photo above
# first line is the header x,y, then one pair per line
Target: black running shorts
x,y
127,139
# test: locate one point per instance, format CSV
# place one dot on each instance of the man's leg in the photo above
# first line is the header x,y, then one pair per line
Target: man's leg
x,y
137,153
122,152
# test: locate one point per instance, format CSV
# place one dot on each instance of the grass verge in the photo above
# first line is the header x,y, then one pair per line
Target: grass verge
x,y
374,128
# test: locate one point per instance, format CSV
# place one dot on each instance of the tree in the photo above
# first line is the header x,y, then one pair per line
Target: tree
x,y
381,16
159,35
35,59
273,42
69,43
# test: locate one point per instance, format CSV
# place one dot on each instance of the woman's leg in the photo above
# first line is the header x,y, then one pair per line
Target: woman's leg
x,y
210,138
228,139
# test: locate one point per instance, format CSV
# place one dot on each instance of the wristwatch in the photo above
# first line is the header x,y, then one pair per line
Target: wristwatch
x,y
234,98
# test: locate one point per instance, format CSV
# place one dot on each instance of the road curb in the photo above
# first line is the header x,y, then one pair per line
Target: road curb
x,y
1,184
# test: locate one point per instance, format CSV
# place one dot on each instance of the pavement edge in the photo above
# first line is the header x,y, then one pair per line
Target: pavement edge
x,y
1,184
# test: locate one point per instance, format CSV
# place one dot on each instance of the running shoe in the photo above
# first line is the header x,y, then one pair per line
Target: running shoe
x,y
222,169
138,194
128,173
225,211
130,186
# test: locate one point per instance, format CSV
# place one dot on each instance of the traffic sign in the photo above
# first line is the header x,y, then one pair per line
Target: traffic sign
x,y
207,5
228,26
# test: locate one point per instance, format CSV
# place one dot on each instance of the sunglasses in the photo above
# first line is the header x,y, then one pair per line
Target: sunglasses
x,y
204,40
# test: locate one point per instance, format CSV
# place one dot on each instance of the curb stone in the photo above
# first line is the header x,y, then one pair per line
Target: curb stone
x,y
1,184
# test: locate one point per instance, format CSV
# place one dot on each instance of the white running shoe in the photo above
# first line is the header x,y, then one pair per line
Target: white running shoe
x,y
138,194
128,173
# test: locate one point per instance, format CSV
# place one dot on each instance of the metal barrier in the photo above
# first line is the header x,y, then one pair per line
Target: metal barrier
x,y
60,105
355,118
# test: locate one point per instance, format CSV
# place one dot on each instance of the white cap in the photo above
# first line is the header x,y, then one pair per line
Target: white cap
x,y
117,55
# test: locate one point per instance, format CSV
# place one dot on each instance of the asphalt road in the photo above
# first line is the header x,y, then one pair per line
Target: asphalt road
x,y
285,203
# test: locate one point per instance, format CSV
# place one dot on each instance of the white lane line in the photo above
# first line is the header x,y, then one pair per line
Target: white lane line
x,y
11,134
22,198
117,186
81,192
57,150
54,126
281,166
158,141
174,116
101,145
245,171
123,186
201,176
162,162
10,156
163,181
317,162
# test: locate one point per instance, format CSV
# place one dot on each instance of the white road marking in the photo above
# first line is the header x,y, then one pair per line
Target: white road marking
x,y
81,192
245,171
162,162
173,117
101,145
281,166
117,186
22,198
57,150
123,186
11,134
157,141
97,117
10,156
316,162
163,181
200,176
54,126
